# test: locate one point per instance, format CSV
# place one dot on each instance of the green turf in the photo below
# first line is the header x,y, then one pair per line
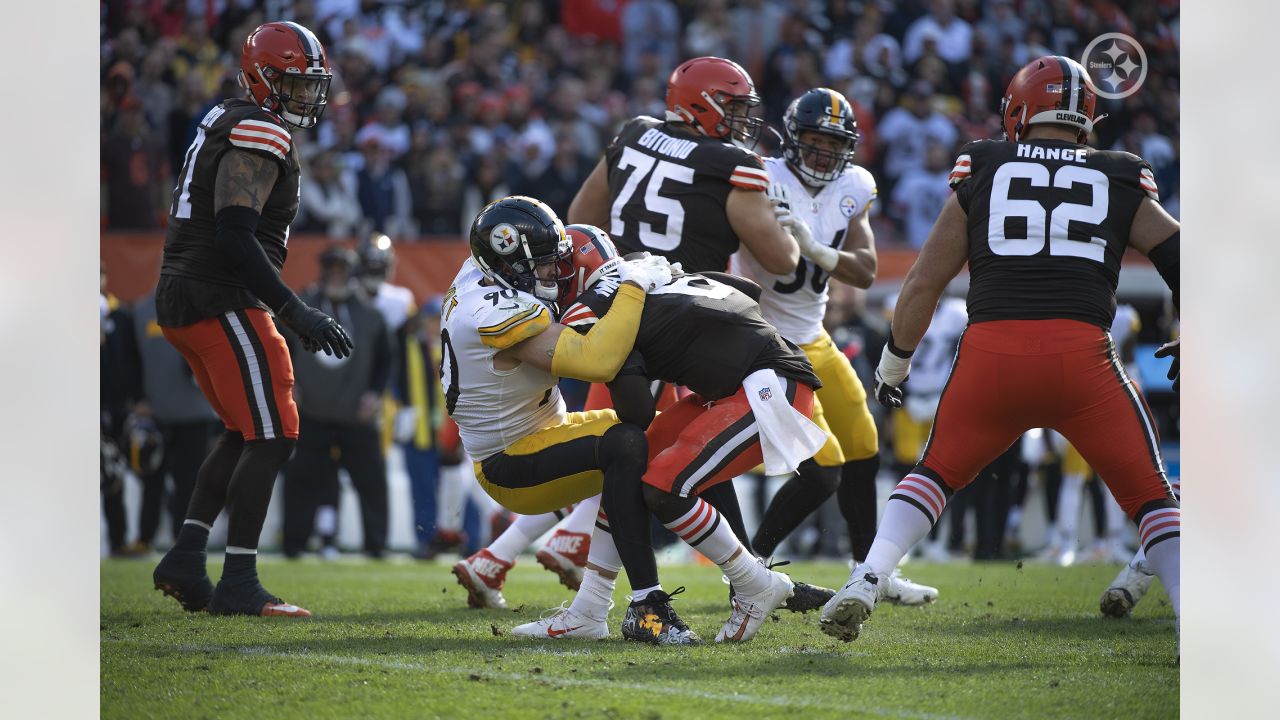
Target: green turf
x,y
394,639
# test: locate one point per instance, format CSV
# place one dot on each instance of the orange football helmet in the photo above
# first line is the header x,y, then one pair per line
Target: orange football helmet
x,y
285,68
716,97
1049,89
594,254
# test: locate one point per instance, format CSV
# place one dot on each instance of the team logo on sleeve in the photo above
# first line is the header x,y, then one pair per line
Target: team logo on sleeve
x,y
504,239
847,206
766,393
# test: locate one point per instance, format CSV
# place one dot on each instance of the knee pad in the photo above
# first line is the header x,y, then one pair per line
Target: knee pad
x,y
624,443
230,441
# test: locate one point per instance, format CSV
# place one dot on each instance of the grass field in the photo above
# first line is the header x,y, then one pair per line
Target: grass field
x,y
394,639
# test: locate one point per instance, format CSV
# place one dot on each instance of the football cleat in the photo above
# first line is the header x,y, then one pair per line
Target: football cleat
x,y
182,577
749,611
255,601
563,623
653,620
1130,585
483,575
807,597
901,591
565,554
843,615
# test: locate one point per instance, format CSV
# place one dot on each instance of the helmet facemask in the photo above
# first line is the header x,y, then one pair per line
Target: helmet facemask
x,y
818,165
298,98
741,123
544,276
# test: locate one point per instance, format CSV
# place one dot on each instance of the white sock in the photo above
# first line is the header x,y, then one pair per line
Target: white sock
x,y
520,534
593,596
637,595
1069,509
1160,536
451,496
913,508
702,529
583,517
603,553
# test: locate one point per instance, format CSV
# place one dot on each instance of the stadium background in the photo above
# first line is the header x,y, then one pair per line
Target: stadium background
x,y
439,107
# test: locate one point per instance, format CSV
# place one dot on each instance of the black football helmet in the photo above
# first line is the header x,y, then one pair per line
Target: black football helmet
x,y
825,111
511,237
376,258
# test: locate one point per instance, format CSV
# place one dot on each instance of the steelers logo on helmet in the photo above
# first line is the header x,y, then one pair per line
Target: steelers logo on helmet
x,y
504,239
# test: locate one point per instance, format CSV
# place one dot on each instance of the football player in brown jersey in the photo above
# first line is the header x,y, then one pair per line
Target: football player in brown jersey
x,y
1042,220
226,243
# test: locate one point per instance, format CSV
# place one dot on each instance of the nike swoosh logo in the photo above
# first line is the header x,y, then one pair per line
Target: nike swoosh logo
x,y
558,633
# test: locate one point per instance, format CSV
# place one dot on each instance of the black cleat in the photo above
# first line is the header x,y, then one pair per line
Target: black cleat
x,y
808,597
182,577
254,601
653,620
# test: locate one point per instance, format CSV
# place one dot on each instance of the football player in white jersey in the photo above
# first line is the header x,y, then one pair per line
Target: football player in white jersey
x,y
502,357
824,200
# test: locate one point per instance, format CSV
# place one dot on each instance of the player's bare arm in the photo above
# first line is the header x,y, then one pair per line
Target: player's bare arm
x,y
753,220
244,179
591,205
856,263
940,260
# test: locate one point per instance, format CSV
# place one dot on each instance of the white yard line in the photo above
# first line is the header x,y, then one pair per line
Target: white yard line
x,y
657,689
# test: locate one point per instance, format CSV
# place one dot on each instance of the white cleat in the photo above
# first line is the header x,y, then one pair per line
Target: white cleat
x,y
843,615
562,624
1120,597
901,591
749,611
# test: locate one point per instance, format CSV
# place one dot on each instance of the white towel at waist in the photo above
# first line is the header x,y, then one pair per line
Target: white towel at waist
x,y
787,437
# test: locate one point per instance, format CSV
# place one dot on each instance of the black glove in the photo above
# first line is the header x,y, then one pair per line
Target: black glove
x,y
316,330
888,395
895,366
1174,350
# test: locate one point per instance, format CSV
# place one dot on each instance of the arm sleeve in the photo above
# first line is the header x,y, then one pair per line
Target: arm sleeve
x,y
1166,257
381,374
234,229
599,354
632,398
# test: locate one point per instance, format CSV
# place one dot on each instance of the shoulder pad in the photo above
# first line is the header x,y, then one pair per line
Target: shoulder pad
x,y
263,132
511,320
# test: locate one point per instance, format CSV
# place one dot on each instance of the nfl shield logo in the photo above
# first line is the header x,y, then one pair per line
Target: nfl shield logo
x,y
765,393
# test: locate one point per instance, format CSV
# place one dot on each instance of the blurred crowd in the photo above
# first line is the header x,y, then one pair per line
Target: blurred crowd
x,y
440,106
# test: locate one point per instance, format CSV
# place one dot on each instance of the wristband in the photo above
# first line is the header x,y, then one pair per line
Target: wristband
x,y
899,352
824,257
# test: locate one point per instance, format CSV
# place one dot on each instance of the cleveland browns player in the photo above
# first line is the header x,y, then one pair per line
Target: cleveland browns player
x,y
502,357
824,201
688,187
226,243
752,402
1042,220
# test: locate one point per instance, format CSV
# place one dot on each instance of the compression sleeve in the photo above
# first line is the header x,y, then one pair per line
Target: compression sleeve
x,y
234,228
598,355
1166,258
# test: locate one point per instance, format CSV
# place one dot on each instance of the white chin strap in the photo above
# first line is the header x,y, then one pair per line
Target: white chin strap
x,y
548,290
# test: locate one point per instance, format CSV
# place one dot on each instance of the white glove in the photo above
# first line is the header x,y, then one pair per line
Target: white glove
x,y
779,197
823,256
406,424
649,273
890,374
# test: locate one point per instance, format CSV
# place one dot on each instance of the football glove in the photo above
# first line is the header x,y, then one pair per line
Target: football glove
x,y
1173,350
779,198
890,374
823,256
649,273
316,330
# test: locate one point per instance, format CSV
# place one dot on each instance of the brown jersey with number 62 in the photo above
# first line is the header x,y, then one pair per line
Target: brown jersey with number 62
x,y
1048,222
